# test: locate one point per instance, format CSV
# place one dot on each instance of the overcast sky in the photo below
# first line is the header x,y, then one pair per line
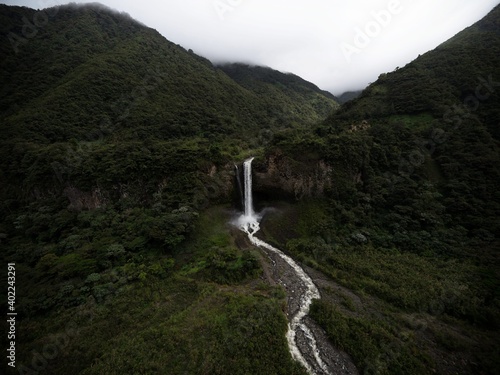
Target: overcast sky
x,y
338,45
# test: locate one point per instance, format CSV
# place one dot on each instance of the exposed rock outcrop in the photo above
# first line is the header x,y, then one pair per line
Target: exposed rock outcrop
x,y
280,175
80,200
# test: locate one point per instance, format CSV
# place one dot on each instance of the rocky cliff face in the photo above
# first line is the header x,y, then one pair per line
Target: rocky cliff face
x,y
277,177
80,200
282,177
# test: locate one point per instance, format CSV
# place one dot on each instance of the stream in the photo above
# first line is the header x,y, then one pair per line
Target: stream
x,y
307,342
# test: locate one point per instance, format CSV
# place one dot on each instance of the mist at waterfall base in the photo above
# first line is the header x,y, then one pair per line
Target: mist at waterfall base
x,y
249,217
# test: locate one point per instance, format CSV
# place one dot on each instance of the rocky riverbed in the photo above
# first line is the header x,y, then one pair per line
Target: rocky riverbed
x,y
308,343
334,361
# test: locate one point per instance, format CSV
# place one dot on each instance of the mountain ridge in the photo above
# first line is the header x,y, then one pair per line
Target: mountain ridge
x,y
264,81
438,80
92,53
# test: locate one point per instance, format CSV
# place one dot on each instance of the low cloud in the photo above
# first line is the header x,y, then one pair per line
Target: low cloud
x,y
307,38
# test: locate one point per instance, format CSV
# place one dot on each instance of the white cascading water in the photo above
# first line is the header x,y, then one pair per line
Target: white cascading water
x,y
247,170
249,223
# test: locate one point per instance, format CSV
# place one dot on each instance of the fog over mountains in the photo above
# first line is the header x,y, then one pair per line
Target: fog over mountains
x,y
317,40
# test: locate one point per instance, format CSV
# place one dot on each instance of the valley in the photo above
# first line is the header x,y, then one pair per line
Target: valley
x,y
369,242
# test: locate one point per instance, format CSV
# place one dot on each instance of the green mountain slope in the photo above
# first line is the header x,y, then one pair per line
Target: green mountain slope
x,y
349,95
463,71
114,143
296,97
91,80
410,216
101,80
89,68
446,105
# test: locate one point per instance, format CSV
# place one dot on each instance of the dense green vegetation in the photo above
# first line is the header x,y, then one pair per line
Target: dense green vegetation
x,y
456,81
129,309
296,97
113,142
116,162
393,309
410,224
349,95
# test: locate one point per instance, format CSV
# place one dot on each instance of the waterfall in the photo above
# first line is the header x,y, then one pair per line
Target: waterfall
x,y
247,171
249,223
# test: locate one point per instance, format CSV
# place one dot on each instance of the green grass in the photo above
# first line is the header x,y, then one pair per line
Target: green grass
x,y
418,122
374,345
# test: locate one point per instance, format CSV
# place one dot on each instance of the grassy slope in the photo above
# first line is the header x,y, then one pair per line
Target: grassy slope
x,y
393,311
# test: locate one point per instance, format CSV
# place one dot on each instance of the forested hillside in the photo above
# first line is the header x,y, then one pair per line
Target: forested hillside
x,y
89,69
412,216
115,142
117,170
295,96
